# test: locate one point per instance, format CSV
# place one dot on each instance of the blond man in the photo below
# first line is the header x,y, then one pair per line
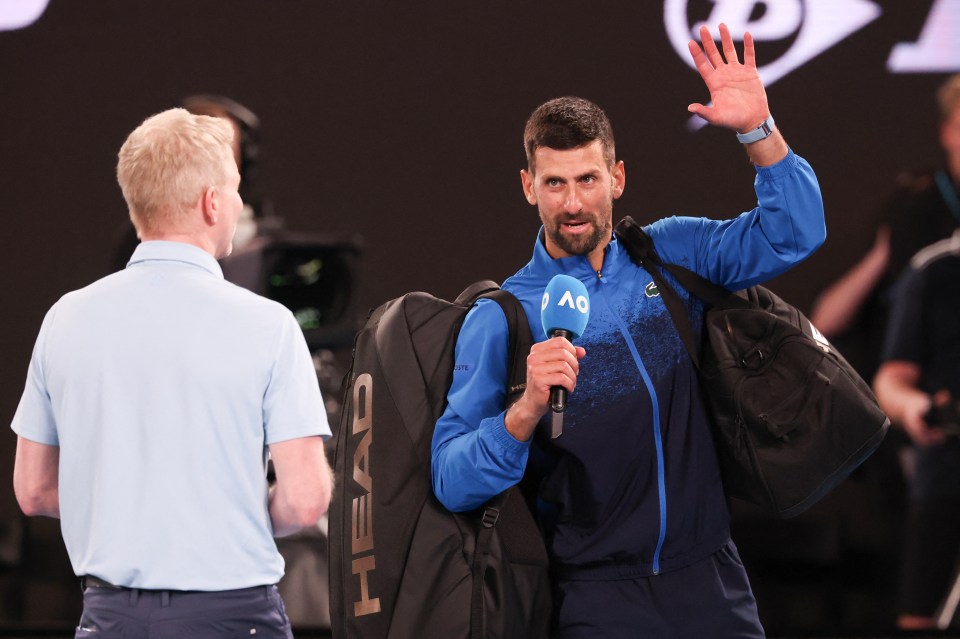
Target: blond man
x,y
153,397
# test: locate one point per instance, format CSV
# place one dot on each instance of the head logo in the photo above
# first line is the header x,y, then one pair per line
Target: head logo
x,y
651,290
816,24
364,560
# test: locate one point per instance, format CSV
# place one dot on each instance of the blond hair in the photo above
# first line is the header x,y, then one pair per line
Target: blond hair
x,y
168,162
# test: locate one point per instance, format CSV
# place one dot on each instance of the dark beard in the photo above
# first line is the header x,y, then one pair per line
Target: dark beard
x,y
580,244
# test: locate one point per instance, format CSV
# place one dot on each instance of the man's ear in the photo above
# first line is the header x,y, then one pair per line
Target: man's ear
x,y
619,179
526,179
210,204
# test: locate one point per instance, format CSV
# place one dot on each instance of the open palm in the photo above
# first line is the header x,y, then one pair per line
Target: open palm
x,y
739,100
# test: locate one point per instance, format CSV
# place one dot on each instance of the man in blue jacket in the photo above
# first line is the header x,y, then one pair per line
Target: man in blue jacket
x,y
632,504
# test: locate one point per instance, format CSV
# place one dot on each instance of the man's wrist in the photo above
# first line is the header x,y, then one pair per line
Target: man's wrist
x,y
761,132
519,422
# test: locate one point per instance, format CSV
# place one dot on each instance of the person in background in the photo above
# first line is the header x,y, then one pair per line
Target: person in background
x,y
153,399
854,313
924,208
918,385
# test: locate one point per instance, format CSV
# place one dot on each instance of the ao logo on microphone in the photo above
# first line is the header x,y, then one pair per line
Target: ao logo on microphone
x,y
565,307
580,303
815,26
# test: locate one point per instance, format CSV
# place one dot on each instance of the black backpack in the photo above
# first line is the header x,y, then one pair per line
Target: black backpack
x,y
401,565
791,417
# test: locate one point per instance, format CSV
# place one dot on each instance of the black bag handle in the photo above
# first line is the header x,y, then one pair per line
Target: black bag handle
x,y
483,288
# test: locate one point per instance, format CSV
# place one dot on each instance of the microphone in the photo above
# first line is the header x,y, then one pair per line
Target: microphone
x,y
564,312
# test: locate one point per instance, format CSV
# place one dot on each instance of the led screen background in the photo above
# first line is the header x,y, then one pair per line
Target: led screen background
x,y
401,123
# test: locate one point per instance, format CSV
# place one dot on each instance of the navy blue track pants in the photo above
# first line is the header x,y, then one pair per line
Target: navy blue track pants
x,y
710,599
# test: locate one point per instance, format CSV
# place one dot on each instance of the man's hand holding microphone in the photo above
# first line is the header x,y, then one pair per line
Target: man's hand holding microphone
x,y
553,365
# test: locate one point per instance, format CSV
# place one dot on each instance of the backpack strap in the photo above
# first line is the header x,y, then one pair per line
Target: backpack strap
x,y
491,513
640,247
520,341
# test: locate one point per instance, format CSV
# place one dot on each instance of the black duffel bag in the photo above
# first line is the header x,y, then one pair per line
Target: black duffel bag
x,y
791,417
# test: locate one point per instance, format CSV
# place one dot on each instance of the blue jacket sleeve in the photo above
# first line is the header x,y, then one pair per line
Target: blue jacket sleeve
x,y
473,456
785,228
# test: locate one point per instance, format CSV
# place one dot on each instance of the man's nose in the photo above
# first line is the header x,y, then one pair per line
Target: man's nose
x,y
572,203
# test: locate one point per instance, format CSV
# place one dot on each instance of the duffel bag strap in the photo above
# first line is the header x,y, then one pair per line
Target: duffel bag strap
x,y
640,247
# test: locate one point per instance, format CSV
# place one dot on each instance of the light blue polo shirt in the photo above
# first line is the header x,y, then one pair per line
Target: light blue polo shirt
x,y
162,385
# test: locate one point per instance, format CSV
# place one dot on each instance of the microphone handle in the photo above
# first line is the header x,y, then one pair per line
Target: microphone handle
x,y
558,394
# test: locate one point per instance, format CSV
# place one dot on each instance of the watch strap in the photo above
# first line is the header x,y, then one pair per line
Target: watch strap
x,y
765,129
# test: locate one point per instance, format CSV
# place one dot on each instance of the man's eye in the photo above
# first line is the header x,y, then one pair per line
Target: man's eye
x,y
552,182
588,179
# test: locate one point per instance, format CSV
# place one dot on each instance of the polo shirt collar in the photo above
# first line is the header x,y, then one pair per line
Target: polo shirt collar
x,y
164,251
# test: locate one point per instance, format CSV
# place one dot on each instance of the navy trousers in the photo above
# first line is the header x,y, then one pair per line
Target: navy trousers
x,y
709,599
122,613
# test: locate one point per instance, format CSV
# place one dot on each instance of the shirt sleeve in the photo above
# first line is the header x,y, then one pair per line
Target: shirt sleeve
x,y
903,340
34,419
292,404
785,228
473,456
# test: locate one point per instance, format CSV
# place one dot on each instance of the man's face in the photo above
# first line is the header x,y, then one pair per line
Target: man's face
x,y
230,205
574,192
950,140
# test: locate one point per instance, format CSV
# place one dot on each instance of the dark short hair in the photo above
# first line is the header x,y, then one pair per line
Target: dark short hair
x,y
567,123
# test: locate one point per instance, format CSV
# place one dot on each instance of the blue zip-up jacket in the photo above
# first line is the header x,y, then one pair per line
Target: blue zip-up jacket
x,y
632,487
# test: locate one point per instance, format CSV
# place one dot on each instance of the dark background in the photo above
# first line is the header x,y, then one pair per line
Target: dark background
x,y
399,123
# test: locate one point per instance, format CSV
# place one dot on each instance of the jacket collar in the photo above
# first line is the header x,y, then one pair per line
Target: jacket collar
x,y
577,266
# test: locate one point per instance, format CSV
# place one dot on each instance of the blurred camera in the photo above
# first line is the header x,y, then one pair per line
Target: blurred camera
x,y
945,417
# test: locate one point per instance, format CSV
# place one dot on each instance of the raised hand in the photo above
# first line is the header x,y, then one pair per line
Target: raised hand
x,y
739,99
